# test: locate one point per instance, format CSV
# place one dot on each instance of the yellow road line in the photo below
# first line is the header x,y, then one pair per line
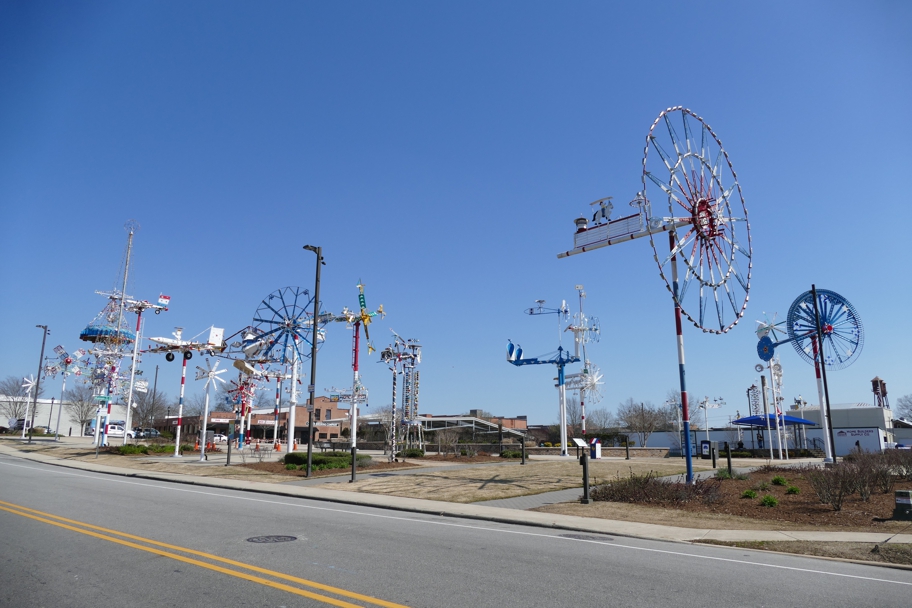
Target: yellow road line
x,y
26,512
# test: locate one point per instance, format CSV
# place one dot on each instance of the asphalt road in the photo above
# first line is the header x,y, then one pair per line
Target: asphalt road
x,y
79,539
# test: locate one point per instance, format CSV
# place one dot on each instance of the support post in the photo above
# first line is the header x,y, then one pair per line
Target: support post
x,y
584,460
685,410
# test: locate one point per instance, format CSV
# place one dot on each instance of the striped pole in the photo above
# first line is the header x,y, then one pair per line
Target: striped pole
x,y
685,411
180,407
394,422
275,430
824,419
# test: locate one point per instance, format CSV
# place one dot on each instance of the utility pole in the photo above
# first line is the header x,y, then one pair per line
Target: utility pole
x,y
313,358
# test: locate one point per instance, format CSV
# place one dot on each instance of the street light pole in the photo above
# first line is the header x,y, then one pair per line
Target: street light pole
x,y
44,334
313,358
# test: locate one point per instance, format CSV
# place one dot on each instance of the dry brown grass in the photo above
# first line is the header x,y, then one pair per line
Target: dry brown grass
x,y
502,481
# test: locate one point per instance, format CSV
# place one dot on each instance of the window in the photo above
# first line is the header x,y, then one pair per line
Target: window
x,y
329,414
322,435
316,414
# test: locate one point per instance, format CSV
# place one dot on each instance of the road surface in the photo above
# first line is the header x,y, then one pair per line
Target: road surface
x,y
80,539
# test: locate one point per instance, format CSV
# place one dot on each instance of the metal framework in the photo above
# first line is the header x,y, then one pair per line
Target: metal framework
x,y
698,202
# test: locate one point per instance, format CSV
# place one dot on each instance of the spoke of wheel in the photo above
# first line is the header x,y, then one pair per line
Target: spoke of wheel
x,y
731,300
285,309
673,135
266,303
702,305
687,135
661,152
717,166
665,189
679,246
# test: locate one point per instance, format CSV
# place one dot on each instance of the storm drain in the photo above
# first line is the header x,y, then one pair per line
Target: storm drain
x,y
271,539
586,537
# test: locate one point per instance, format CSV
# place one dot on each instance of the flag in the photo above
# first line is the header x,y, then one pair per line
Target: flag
x,y
164,300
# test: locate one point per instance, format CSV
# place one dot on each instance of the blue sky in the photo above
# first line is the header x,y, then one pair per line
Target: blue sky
x,y
439,152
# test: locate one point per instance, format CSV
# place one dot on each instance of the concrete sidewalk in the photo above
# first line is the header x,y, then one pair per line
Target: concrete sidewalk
x,y
510,510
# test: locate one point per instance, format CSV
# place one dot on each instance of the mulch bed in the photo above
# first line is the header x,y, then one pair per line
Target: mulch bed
x,y
803,508
278,468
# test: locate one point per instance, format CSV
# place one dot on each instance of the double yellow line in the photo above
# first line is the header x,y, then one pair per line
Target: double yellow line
x,y
159,548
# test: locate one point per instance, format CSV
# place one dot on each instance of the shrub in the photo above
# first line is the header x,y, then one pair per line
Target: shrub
x,y
291,467
763,486
741,454
327,460
864,476
749,494
649,488
793,490
547,444
511,454
769,501
779,480
723,474
900,462
411,453
832,484
132,449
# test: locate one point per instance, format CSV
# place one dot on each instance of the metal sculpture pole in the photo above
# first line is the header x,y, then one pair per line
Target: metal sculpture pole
x,y
44,333
394,423
826,390
685,409
132,374
180,405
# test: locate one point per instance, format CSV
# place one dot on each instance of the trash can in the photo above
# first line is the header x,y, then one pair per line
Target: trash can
x,y
595,449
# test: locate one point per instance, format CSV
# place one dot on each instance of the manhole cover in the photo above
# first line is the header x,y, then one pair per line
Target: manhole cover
x,y
586,537
271,539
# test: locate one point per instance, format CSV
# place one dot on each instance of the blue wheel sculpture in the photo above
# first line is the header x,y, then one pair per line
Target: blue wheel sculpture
x,y
841,332
284,324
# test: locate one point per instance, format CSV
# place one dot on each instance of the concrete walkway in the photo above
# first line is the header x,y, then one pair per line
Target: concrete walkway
x,y
480,511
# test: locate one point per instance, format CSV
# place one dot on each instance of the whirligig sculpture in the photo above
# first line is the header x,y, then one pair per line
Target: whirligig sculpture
x,y
706,220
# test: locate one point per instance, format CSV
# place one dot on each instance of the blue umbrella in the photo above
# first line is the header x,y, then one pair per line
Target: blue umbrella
x,y
762,421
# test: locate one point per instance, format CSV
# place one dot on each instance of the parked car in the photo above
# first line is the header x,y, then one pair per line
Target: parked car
x,y
219,438
115,430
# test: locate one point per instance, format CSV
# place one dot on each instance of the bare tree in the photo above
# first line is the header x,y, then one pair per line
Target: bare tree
x,y
574,413
14,399
81,405
149,406
641,418
195,405
448,439
904,406
598,419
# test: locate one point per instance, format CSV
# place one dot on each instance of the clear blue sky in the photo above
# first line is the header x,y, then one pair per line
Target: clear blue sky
x,y
439,152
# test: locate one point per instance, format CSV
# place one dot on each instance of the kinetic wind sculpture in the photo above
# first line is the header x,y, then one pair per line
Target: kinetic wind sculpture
x,y
706,221
67,365
561,359
111,336
826,331
28,384
587,381
211,375
769,327
213,344
405,355
357,394
281,338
